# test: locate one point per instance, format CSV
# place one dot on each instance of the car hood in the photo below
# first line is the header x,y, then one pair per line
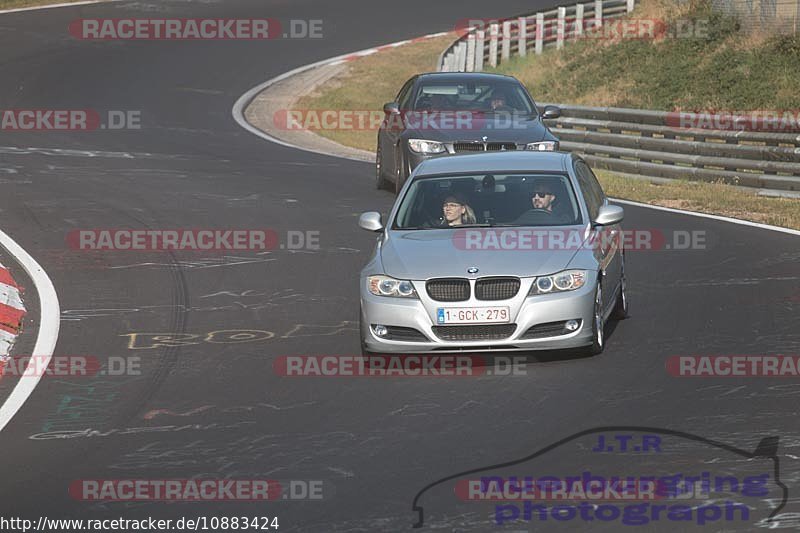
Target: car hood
x,y
424,254
499,129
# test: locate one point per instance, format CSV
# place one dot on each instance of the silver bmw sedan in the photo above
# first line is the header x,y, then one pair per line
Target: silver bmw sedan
x,y
494,252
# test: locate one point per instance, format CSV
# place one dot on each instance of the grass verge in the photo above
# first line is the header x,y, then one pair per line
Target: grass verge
x,y
702,61
15,4
371,81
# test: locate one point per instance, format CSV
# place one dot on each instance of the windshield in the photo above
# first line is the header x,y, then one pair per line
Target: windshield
x,y
519,199
487,97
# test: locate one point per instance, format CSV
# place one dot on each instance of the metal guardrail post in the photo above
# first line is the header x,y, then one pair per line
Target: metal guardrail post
x,y
461,57
522,36
493,32
578,19
470,63
560,27
480,39
539,33
506,54
598,13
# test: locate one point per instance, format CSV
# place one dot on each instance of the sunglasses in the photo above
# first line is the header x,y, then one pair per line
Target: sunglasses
x,y
452,205
541,194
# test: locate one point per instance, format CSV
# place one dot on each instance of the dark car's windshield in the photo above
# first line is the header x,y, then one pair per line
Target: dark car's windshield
x,y
527,199
487,97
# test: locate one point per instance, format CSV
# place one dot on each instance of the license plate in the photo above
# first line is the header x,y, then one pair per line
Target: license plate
x,y
472,315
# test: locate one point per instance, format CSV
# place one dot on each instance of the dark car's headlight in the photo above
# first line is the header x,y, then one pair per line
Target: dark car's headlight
x,y
386,286
421,146
544,146
568,280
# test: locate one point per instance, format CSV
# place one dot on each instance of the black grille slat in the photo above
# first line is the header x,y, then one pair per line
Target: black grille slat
x,y
496,288
549,329
466,146
496,147
398,333
448,289
483,332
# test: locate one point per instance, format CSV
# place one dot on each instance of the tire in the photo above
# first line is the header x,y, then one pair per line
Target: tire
x,y
400,176
380,180
598,325
620,311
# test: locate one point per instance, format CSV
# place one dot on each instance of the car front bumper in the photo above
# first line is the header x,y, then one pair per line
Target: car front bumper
x,y
525,312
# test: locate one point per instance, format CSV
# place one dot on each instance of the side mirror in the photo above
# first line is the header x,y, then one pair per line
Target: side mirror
x,y
370,221
392,108
609,215
551,111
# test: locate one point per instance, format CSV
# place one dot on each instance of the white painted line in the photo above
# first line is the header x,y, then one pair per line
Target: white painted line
x,y
243,101
706,215
53,6
48,327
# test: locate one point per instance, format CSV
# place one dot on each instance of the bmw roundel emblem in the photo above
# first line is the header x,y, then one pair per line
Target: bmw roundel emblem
x,y
472,270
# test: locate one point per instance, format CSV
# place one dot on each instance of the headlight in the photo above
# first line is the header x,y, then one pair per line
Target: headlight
x,y
386,286
568,280
421,146
544,146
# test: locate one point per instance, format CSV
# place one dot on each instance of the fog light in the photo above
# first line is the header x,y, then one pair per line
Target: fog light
x,y
572,325
380,331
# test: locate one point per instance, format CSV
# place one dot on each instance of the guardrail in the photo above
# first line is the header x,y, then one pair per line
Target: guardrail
x,y
497,41
637,141
652,143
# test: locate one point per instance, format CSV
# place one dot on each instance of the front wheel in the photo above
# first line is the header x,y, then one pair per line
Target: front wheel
x,y
380,181
598,324
620,311
401,175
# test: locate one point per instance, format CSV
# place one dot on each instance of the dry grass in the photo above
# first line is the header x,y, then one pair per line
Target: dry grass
x,y
14,4
712,198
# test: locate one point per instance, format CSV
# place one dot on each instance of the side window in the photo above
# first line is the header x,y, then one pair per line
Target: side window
x,y
402,96
590,189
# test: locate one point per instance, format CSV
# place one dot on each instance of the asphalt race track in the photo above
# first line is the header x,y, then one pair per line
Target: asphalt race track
x,y
217,409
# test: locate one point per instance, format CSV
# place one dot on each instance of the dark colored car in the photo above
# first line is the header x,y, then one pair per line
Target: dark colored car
x,y
444,113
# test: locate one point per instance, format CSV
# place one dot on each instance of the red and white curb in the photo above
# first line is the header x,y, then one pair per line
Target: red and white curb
x,y
48,322
11,312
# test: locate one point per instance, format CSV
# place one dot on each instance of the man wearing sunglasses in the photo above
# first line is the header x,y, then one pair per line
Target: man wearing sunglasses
x,y
543,197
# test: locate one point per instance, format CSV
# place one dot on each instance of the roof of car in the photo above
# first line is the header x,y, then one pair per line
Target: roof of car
x,y
462,76
522,161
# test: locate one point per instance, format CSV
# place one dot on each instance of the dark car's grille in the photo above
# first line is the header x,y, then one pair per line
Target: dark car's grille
x,y
448,289
496,288
398,333
474,333
549,329
465,146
